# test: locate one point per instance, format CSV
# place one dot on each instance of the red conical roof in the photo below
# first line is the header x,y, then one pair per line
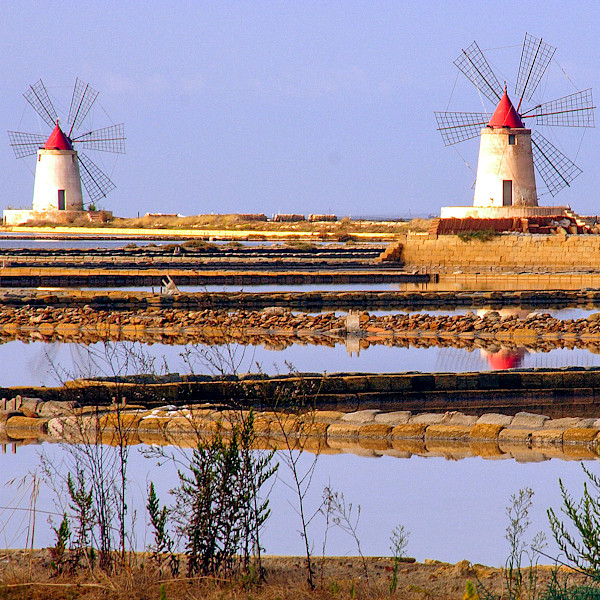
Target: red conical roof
x,y
506,115
58,140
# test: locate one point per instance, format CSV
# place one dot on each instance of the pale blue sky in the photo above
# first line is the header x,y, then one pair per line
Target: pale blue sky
x,y
267,106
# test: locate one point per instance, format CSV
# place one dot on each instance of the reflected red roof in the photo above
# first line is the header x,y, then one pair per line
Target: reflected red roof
x,y
505,114
58,140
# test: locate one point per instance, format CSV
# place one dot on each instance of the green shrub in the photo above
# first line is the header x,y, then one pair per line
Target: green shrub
x,y
482,235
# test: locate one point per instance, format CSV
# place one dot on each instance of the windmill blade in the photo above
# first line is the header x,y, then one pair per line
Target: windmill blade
x,y
457,127
574,110
81,102
38,97
107,139
96,182
25,144
476,68
535,58
556,169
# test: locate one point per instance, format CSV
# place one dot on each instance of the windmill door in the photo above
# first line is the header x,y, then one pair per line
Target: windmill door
x,y
507,192
61,199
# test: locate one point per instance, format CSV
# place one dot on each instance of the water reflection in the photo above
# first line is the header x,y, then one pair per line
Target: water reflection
x,y
445,505
37,363
505,358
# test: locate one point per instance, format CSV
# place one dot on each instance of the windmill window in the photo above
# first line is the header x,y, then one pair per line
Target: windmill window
x,y
512,139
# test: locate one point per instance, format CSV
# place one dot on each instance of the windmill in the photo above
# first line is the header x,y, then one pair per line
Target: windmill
x,y
61,165
510,153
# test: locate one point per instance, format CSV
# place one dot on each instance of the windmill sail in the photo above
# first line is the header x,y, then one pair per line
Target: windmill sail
x,y
555,168
574,110
107,139
456,127
81,102
96,182
476,68
25,144
38,97
535,58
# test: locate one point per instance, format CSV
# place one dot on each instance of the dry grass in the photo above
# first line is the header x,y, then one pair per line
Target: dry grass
x,y
24,575
237,222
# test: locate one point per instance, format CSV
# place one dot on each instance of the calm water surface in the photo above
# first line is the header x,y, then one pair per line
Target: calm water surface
x,y
37,363
453,510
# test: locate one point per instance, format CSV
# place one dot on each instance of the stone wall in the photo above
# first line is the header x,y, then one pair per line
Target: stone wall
x,y
523,436
502,252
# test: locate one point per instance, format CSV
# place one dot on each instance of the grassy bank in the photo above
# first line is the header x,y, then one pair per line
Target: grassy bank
x,y
337,230
25,574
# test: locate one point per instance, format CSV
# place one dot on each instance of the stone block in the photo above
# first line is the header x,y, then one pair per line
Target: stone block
x,y
527,420
422,382
446,381
552,380
458,418
74,429
313,429
400,383
564,423
409,430
486,431
580,435
542,437
119,421
333,385
181,426
291,424
264,425
343,429
26,404
447,432
375,430
427,418
53,408
153,423
327,416
393,418
360,416
515,435
495,419
356,383
18,427
379,383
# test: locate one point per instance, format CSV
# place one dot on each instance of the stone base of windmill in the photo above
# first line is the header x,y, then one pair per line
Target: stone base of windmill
x,y
17,217
503,212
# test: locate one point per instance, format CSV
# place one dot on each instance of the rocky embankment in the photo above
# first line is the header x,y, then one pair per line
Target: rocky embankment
x,y
524,436
278,327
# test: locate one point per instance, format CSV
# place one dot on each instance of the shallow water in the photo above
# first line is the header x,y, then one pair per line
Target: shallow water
x,y
37,363
453,510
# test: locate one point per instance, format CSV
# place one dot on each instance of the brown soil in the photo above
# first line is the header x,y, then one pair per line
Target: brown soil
x,y
29,575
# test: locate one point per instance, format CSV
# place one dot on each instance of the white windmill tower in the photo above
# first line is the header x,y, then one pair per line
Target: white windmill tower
x,y
61,166
509,152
